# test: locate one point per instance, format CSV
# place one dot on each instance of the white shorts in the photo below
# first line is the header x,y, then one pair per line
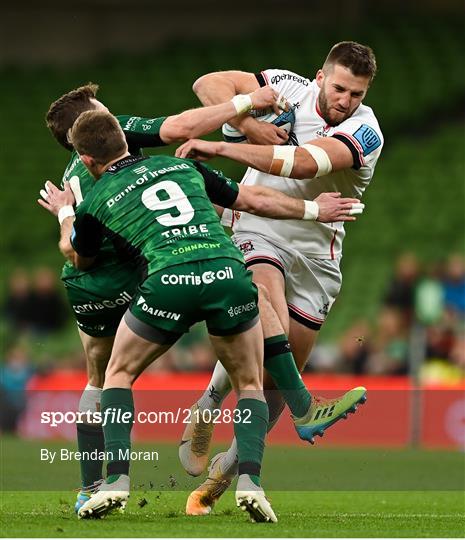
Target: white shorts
x,y
312,285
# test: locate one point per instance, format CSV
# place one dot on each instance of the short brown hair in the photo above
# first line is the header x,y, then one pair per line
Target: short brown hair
x,y
99,135
64,111
360,59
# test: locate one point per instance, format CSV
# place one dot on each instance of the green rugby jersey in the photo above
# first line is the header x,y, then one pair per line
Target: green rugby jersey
x,y
158,211
140,133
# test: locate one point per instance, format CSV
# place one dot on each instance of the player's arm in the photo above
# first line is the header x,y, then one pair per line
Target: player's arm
x,y
60,203
67,248
317,158
197,122
221,86
267,202
85,240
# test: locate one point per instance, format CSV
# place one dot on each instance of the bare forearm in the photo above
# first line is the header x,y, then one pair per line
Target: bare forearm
x,y
196,122
252,155
65,239
266,202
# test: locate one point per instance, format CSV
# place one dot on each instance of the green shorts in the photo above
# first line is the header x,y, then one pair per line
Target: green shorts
x,y
217,291
100,298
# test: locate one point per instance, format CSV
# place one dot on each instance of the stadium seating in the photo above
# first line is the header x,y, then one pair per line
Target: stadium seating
x,y
415,203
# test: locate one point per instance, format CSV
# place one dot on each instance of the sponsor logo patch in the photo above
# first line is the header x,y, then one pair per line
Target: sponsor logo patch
x,y
163,313
91,307
233,311
276,79
206,278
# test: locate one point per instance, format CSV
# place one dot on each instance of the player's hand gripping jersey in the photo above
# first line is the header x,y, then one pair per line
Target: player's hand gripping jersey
x,y
361,134
100,296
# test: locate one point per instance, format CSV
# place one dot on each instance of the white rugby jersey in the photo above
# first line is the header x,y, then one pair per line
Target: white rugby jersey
x,y
362,135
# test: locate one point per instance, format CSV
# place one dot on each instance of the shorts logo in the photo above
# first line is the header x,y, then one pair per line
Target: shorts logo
x,y
325,309
233,311
163,313
246,247
206,278
91,307
98,327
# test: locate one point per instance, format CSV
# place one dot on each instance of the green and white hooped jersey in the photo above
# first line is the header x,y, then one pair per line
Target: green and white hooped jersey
x,y
157,211
140,133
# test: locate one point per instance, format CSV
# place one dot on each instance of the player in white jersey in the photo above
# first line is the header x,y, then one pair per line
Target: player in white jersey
x,y
335,145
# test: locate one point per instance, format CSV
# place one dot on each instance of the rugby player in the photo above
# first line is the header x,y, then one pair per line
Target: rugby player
x,y
143,205
335,146
100,296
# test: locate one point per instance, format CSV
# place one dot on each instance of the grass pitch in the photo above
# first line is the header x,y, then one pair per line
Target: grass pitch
x,y
300,514
358,493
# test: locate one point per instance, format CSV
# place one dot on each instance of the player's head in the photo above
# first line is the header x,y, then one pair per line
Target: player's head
x,y
99,140
344,79
63,112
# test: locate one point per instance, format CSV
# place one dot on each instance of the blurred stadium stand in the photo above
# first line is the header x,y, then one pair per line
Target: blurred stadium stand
x,y
146,56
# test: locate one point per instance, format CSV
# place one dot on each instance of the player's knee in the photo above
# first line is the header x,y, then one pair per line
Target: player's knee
x,y
247,378
263,293
119,368
97,355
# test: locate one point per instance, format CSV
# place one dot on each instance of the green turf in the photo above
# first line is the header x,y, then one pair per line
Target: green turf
x,y
357,493
290,468
300,514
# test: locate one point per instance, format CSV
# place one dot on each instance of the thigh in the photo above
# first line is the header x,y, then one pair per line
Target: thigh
x,y
98,352
131,354
268,264
242,357
273,281
301,340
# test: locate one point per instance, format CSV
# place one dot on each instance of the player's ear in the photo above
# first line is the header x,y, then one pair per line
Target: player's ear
x,y
88,161
320,77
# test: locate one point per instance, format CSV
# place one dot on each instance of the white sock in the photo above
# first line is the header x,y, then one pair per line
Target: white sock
x,y
230,460
218,388
90,399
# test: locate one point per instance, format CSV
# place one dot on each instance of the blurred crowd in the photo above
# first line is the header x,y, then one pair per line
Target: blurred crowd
x,y
35,304
34,308
383,346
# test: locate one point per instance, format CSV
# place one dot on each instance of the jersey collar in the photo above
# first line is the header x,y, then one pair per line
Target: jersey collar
x,y
123,163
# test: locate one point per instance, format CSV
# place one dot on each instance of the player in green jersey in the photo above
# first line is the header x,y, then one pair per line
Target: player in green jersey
x,y
100,296
158,211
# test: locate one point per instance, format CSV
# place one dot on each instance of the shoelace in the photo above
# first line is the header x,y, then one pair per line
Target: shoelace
x,y
324,402
93,488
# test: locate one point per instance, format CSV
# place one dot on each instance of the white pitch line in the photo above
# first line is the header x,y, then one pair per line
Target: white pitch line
x,y
394,516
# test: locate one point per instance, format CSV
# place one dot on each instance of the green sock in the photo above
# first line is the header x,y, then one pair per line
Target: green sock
x,y
250,434
279,363
117,430
90,439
